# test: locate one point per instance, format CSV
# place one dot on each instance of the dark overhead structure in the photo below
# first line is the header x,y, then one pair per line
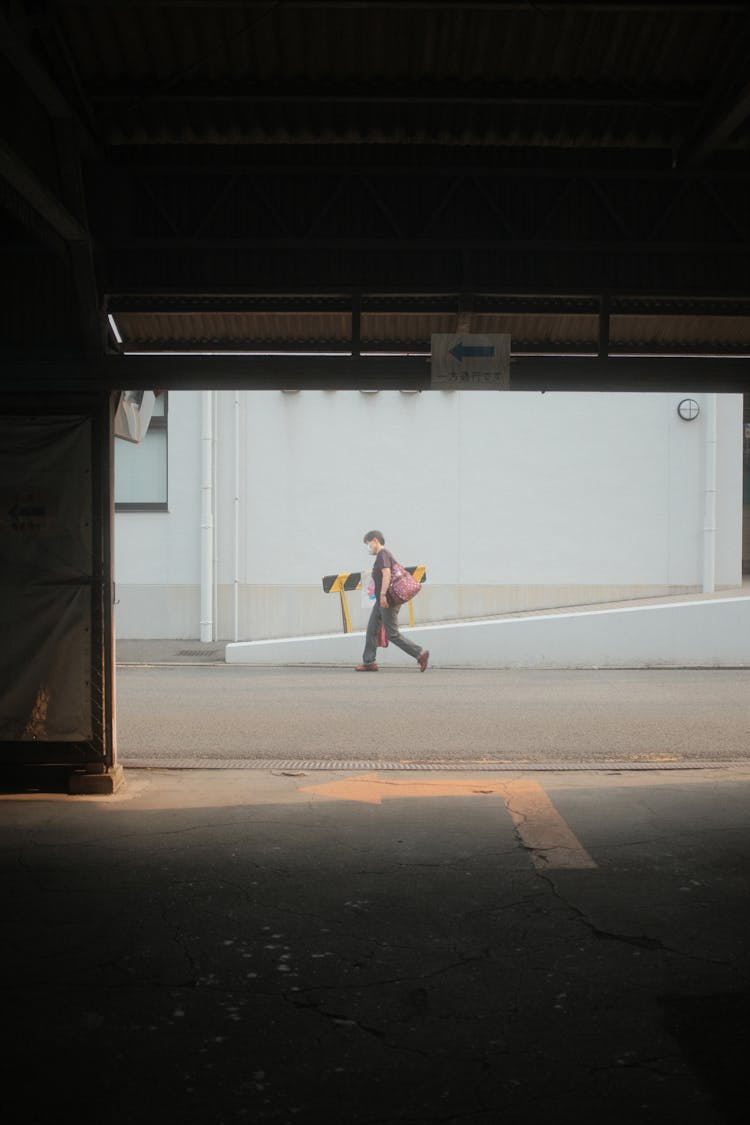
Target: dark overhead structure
x,y
321,186
351,177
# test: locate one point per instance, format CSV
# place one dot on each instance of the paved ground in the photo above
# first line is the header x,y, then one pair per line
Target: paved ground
x,y
223,946
517,944
218,714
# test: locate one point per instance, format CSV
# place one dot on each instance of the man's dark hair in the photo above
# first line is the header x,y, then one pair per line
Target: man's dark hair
x,y
374,535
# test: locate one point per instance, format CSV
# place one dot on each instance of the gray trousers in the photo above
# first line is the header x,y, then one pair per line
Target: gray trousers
x,y
389,618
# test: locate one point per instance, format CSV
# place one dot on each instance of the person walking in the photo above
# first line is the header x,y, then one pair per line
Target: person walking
x,y
383,613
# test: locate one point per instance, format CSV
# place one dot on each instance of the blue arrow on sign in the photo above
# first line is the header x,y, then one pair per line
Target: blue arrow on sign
x,y
471,351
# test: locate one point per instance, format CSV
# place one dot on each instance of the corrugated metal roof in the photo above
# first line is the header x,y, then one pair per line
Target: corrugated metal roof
x,y
681,333
562,332
512,74
226,330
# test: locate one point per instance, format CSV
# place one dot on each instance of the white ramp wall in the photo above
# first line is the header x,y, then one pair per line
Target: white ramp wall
x,y
706,634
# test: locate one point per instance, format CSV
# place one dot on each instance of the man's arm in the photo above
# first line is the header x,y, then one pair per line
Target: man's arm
x,y
384,584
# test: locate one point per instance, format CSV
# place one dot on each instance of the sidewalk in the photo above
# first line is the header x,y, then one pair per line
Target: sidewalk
x,y
229,946
169,652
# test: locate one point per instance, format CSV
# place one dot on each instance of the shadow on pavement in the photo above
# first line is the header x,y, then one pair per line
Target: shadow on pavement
x,y
237,948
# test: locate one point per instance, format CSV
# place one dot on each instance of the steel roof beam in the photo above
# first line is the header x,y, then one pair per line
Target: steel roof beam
x,y
57,222
434,161
418,303
394,245
549,8
39,82
70,136
212,372
394,93
716,131
41,200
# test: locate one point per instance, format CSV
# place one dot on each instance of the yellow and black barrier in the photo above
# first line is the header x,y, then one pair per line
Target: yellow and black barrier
x,y
340,583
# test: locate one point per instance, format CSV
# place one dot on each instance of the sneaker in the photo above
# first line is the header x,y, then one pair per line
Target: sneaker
x,y
366,668
422,659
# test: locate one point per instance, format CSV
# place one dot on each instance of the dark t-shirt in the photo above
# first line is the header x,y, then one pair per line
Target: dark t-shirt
x,y
383,560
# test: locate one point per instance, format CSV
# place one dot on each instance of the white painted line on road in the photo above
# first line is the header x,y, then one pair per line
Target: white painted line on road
x,y
541,828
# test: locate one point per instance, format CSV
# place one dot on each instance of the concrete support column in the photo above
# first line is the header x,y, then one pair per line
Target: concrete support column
x,y
58,675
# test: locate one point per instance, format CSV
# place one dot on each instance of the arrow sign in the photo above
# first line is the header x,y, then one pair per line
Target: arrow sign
x,y
470,361
464,351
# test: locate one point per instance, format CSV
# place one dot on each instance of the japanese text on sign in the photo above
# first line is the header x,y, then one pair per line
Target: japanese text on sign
x,y
469,361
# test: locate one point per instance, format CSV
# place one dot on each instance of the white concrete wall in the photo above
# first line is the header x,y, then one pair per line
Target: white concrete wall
x,y
512,501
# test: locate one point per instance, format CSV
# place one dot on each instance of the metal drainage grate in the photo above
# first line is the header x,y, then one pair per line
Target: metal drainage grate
x,y
432,767
210,652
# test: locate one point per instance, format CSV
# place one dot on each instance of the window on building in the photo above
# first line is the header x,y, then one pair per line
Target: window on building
x,y
141,470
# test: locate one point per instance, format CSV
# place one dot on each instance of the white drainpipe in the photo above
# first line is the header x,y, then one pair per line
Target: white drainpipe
x,y
709,509
236,575
207,519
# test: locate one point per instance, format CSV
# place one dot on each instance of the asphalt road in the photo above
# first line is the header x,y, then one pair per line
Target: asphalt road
x,y
223,713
